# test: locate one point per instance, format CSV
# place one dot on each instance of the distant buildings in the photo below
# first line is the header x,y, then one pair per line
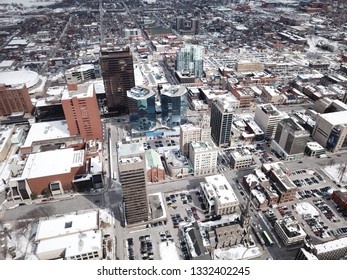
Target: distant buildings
x,y
221,121
133,177
118,75
330,130
290,139
203,155
218,195
187,26
267,117
190,60
82,112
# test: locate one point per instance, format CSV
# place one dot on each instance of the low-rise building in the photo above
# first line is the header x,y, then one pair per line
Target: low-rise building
x,y
241,158
52,170
5,140
332,250
314,149
177,164
340,198
289,230
70,237
218,195
154,167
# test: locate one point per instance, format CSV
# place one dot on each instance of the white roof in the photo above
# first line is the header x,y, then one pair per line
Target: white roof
x,y
335,118
6,63
220,185
331,245
16,78
52,163
80,68
76,233
46,131
61,226
74,244
167,251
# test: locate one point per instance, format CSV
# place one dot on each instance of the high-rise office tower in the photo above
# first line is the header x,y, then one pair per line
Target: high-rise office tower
x,y
267,117
290,139
118,75
221,121
173,105
190,60
141,102
132,175
82,112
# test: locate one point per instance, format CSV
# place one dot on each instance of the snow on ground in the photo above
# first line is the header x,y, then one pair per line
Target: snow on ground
x,y
238,252
305,208
58,90
333,171
167,251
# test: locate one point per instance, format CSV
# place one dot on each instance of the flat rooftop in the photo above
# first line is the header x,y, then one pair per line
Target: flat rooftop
x,y
223,190
331,245
80,68
335,118
83,91
140,93
202,146
128,150
45,131
67,224
51,163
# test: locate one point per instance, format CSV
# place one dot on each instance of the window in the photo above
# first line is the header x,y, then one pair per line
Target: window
x,y
68,224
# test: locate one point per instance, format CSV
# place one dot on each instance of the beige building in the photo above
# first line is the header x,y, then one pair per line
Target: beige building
x,y
5,140
272,95
267,117
203,155
201,131
218,195
133,178
330,130
249,66
289,230
241,158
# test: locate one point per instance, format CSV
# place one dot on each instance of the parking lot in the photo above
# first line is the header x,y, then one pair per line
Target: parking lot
x,y
183,206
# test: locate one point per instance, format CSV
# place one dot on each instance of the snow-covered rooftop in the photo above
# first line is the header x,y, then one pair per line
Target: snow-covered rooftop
x,y
67,224
305,208
46,131
52,163
17,78
167,251
331,245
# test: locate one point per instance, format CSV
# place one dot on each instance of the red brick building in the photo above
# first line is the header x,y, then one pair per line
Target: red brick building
x,y
14,99
82,112
340,198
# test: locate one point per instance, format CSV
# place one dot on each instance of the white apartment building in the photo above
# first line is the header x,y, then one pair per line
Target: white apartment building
x,y
203,155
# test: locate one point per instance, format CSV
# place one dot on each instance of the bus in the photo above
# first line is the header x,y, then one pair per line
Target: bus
x,y
267,238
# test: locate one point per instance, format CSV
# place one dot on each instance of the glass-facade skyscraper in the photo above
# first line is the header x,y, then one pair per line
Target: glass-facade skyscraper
x,y
141,104
173,106
190,60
